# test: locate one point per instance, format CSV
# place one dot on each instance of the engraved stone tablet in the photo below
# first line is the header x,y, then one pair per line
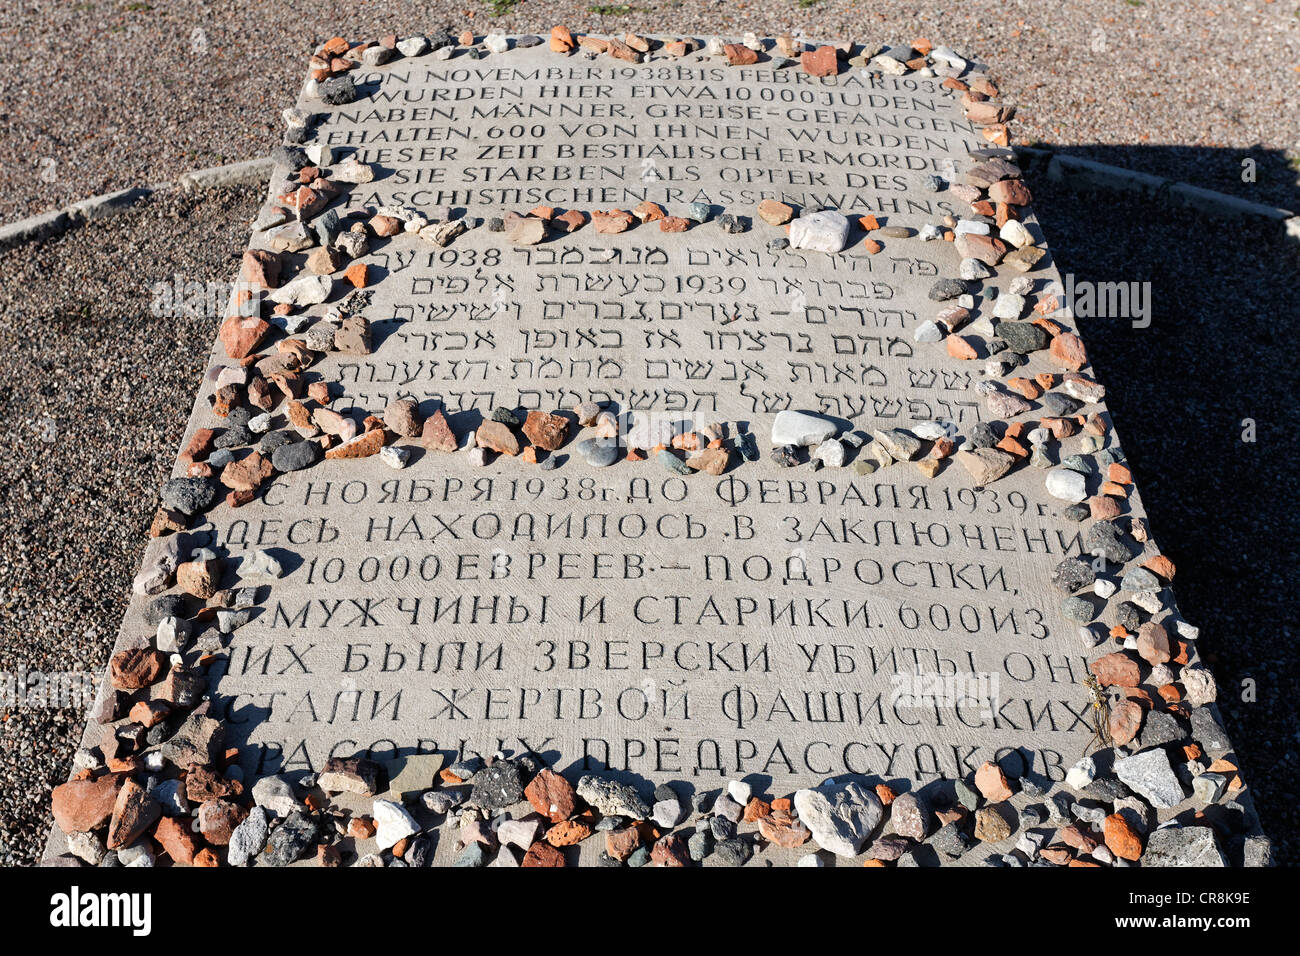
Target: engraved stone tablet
x,y
594,290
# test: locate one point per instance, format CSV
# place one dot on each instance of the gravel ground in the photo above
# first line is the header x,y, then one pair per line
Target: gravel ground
x,y
89,444
94,394
105,94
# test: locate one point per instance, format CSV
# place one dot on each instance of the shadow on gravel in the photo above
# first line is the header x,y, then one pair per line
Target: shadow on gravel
x,y
1204,401
1254,174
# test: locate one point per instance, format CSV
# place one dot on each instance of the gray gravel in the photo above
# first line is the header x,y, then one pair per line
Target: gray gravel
x,y
94,394
102,95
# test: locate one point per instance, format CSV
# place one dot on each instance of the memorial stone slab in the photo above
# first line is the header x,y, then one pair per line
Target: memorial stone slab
x,y
518,491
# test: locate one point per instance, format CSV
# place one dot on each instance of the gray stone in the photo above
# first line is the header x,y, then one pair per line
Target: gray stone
x,y
610,797
599,452
841,817
288,841
249,838
498,786
1183,846
1150,774
275,795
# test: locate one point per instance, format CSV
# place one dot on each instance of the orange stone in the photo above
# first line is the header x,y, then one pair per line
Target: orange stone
x,y
561,39
992,782
567,833
823,61
1068,352
572,220
1160,566
543,854
363,446
1121,838
1026,387
648,211
613,221
960,348
739,55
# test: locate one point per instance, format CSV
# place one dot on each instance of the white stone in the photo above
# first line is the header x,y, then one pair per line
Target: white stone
x,y
801,428
306,289
1066,485
887,64
352,170
1014,232
1009,306
496,42
392,823
740,791
941,54
825,231
1199,686
172,636
1081,774
136,855
395,456
972,270
928,430
520,833
830,453
260,564
320,154
413,46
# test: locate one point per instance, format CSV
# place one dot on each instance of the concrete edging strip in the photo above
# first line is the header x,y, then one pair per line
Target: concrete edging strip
x,y
59,221
1088,174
